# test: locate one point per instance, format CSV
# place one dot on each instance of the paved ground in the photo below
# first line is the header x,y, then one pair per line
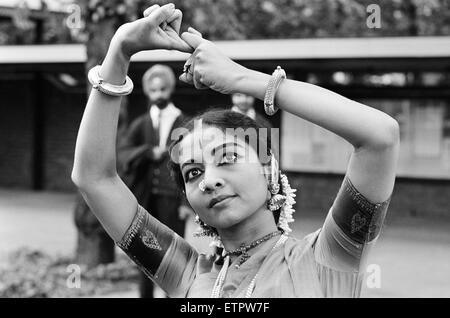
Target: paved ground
x,y
413,254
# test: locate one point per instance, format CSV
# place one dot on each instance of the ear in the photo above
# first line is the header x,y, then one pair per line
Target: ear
x,y
269,194
267,171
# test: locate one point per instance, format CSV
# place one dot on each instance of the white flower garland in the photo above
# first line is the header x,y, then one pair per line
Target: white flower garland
x,y
286,209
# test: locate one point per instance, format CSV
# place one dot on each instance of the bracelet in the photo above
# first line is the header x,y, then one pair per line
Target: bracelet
x,y
99,84
269,99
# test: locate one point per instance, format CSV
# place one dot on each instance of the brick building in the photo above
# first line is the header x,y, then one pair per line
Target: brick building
x,y
43,94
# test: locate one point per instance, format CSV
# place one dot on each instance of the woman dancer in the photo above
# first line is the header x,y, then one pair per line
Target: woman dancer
x,y
232,183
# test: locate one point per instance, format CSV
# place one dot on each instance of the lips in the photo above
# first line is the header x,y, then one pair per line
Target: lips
x,y
219,199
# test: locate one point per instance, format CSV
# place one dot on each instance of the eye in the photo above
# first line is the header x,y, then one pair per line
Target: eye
x,y
192,174
230,157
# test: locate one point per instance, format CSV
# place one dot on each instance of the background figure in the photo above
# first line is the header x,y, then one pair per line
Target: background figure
x,y
244,104
144,155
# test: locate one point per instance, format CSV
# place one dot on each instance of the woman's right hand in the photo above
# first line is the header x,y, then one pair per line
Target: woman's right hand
x,y
209,67
158,29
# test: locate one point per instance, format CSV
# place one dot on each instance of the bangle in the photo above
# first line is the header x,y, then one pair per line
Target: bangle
x,y
269,99
99,84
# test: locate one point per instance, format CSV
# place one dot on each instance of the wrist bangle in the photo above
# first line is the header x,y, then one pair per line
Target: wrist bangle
x,y
99,84
269,99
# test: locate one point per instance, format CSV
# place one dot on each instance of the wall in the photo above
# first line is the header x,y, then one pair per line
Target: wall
x,y
16,134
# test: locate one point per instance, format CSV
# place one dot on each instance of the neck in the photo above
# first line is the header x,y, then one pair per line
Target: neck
x,y
160,107
254,227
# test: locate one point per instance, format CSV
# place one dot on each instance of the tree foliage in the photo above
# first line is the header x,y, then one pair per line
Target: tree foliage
x,y
259,19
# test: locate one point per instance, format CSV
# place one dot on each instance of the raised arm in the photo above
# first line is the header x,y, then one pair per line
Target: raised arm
x,y
373,134
94,170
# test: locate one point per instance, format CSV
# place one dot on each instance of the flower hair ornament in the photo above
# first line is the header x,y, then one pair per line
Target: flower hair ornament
x,y
282,198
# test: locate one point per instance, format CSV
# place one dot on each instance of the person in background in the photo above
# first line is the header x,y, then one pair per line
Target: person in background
x,y
244,104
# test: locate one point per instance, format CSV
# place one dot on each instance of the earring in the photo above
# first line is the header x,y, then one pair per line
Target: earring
x,y
274,186
205,229
277,200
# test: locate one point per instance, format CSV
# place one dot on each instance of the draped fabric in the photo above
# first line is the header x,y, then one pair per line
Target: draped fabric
x,y
327,263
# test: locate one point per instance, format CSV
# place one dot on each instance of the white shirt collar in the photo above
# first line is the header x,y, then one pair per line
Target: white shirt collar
x,y
168,116
169,110
250,113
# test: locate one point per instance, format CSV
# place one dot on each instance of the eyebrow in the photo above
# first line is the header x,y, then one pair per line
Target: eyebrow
x,y
223,146
188,162
213,152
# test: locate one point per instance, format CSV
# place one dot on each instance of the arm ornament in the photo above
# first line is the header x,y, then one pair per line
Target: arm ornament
x,y
360,219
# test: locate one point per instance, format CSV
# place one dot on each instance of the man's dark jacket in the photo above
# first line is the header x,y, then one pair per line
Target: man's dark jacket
x,y
144,175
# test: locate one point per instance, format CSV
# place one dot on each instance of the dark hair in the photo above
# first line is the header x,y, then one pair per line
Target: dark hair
x,y
223,119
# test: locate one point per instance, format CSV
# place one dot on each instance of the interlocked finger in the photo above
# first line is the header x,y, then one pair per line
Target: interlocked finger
x,y
194,31
175,20
149,10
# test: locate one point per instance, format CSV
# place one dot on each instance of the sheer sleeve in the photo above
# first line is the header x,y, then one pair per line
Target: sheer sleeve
x,y
165,257
350,230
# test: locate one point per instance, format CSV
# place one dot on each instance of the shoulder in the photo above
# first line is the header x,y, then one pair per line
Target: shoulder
x,y
180,120
181,117
296,248
263,121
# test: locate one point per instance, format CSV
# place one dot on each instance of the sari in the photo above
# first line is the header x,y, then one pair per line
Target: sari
x,y
326,263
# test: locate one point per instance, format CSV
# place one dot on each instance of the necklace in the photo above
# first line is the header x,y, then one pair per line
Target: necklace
x,y
218,285
251,286
243,249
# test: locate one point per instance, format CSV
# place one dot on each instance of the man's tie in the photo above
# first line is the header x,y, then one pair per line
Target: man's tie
x,y
156,128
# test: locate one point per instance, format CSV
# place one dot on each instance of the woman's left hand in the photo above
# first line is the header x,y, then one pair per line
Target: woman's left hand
x,y
158,29
208,67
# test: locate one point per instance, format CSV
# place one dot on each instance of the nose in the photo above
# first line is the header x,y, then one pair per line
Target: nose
x,y
212,180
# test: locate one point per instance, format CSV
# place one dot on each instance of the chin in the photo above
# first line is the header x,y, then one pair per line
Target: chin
x,y
227,218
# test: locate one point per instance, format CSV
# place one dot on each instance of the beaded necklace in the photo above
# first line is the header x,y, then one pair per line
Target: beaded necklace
x,y
218,285
243,249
